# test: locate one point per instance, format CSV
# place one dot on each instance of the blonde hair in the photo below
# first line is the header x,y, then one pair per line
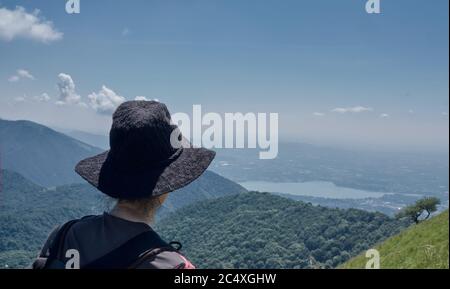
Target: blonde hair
x,y
144,206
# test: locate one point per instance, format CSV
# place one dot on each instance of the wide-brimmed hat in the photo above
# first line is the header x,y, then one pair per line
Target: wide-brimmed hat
x,y
142,162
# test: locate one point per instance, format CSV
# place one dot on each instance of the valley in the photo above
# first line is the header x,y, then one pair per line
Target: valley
x,y
221,223
332,177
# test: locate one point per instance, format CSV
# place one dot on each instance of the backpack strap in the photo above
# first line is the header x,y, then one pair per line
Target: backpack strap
x,y
57,246
131,252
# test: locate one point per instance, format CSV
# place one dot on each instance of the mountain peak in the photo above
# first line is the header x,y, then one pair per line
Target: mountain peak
x,y
41,154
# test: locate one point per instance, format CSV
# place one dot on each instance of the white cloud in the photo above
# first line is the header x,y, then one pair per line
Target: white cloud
x,y
66,87
318,114
44,97
24,74
14,78
445,113
18,23
83,105
141,98
411,111
384,115
145,98
21,74
105,101
354,109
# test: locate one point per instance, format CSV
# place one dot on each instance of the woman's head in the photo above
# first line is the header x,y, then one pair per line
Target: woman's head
x,y
142,162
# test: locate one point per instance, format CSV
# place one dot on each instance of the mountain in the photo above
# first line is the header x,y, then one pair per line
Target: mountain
x,y
28,212
96,140
260,230
209,186
40,154
422,246
38,190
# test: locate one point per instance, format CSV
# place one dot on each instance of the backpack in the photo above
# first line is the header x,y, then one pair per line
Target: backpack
x,y
145,247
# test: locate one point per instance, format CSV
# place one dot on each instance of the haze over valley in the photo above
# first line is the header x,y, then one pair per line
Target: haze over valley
x,y
335,177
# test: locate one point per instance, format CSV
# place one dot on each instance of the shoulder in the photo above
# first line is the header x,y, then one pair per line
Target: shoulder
x,y
51,237
53,234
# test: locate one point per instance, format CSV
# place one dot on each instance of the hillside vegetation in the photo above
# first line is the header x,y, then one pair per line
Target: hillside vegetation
x,y
260,230
28,212
422,246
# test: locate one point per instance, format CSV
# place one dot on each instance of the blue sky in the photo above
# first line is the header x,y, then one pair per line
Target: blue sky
x,y
313,61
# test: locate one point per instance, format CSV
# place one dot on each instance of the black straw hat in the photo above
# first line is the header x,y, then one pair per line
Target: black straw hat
x,y
142,162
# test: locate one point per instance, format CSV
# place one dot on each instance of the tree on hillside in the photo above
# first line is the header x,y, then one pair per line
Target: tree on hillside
x,y
415,211
428,205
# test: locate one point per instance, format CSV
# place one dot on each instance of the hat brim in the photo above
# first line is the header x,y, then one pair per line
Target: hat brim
x,y
117,182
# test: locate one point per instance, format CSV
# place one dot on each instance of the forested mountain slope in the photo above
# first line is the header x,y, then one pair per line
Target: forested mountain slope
x,y
259,230
28,212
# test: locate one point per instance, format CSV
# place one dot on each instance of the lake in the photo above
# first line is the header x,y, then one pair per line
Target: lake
x,y
313,189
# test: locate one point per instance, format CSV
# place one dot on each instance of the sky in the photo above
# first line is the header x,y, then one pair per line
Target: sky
x,y
335,74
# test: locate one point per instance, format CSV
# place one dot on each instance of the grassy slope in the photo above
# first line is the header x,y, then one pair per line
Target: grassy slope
x,y
423,246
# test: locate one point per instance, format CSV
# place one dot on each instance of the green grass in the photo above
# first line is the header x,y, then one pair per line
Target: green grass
x,y
422,246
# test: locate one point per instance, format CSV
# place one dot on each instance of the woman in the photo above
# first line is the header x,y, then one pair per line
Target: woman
x,y
141,168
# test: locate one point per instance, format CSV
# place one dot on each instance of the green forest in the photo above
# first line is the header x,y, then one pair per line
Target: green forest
x,y
243,230
29,212
260,230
